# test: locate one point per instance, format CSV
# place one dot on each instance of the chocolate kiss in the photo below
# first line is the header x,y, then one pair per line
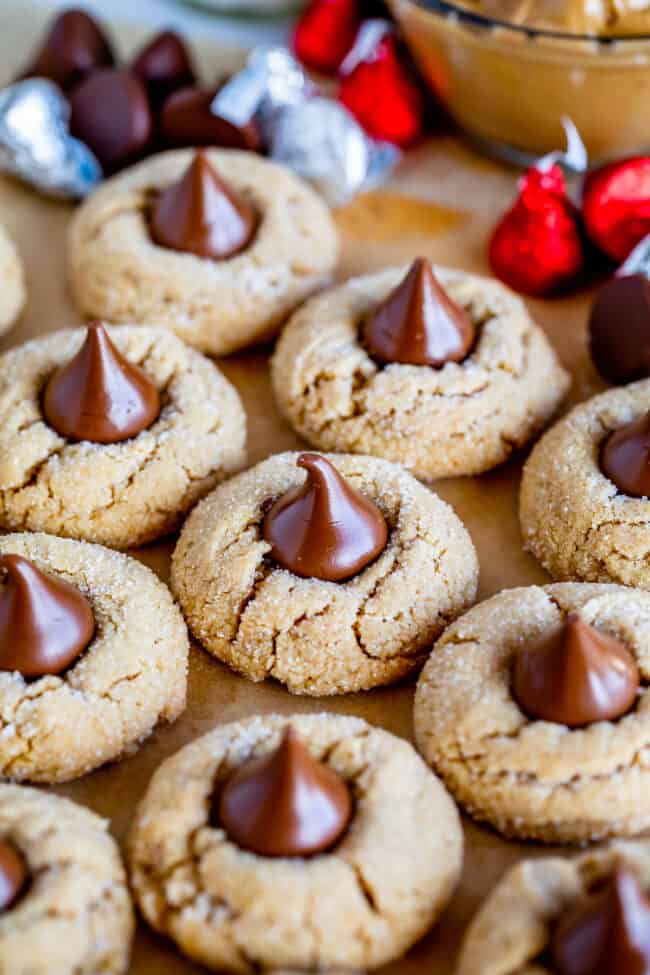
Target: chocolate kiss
x,y
625,458
186,120
45,623
608,933
201,215
164,65
418,324
619,329
110,112
99,395
285,804
324,529
13,875
75,45
574,675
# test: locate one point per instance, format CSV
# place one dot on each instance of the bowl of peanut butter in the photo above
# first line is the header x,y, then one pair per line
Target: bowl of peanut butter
x,y
510,71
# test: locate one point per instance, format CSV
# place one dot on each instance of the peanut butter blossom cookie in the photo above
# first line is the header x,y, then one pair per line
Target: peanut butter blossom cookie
x,y
587,916
443,372
533,709
585,508
64,904
111,435
93,654
218,245
329,574
314,842
12,282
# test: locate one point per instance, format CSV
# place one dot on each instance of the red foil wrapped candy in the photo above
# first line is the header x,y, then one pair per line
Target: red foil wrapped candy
x,y
325,33
616,205
536,247
380,88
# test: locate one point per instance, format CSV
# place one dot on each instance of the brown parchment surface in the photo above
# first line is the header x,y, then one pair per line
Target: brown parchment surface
x,y
441,203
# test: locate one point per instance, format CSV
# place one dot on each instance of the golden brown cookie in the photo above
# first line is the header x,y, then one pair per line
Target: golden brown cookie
x,y
461,419
117,272
12,282
573,518
74,916
319,637
122,494
132,675
363,903
511,931
531,778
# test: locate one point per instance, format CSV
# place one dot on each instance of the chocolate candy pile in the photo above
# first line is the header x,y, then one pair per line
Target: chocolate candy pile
x,y
125,112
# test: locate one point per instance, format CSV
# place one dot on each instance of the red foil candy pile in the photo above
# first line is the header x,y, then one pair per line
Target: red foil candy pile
x,y
616,206
384,95
536,247
325,34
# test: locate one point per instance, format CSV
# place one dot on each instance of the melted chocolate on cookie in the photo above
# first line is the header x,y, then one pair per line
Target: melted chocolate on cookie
x,y
575,675
419,324
285,804
45,623
324,529
99,395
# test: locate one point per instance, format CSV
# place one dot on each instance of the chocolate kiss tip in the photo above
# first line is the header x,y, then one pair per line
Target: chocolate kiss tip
x,y
13,875
575,675
164,65
201,215
419,324
625,458
286,803
324,528
74,46
607,933
99,395
45,623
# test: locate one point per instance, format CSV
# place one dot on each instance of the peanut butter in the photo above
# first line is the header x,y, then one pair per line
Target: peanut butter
x,y
510,88
604,18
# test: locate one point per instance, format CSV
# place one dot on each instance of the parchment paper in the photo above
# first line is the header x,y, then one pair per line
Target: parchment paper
x,y
441,203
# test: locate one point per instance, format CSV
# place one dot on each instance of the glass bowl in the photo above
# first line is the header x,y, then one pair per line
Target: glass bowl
x,y
509,86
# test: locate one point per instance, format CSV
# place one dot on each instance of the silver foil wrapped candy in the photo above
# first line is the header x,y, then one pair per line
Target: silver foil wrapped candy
x,y
637,261
315,136
35,141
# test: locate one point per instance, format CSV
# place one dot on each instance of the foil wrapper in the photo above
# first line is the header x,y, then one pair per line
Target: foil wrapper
x,y
35,141
324,144
637,261
574,158
315,136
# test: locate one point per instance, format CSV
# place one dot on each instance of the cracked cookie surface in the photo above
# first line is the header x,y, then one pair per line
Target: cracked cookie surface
x,y
360,905
473,414
322,637
76,916
132,675
12,282
512,929
573,518
117,272
123,494
528,778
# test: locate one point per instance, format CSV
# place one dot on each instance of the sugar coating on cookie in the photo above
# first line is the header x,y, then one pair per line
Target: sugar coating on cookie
x,y
573,518
530,778
12,282
513,927
121,494
76,917
361,904
131,676
464,418
320,637
117,272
